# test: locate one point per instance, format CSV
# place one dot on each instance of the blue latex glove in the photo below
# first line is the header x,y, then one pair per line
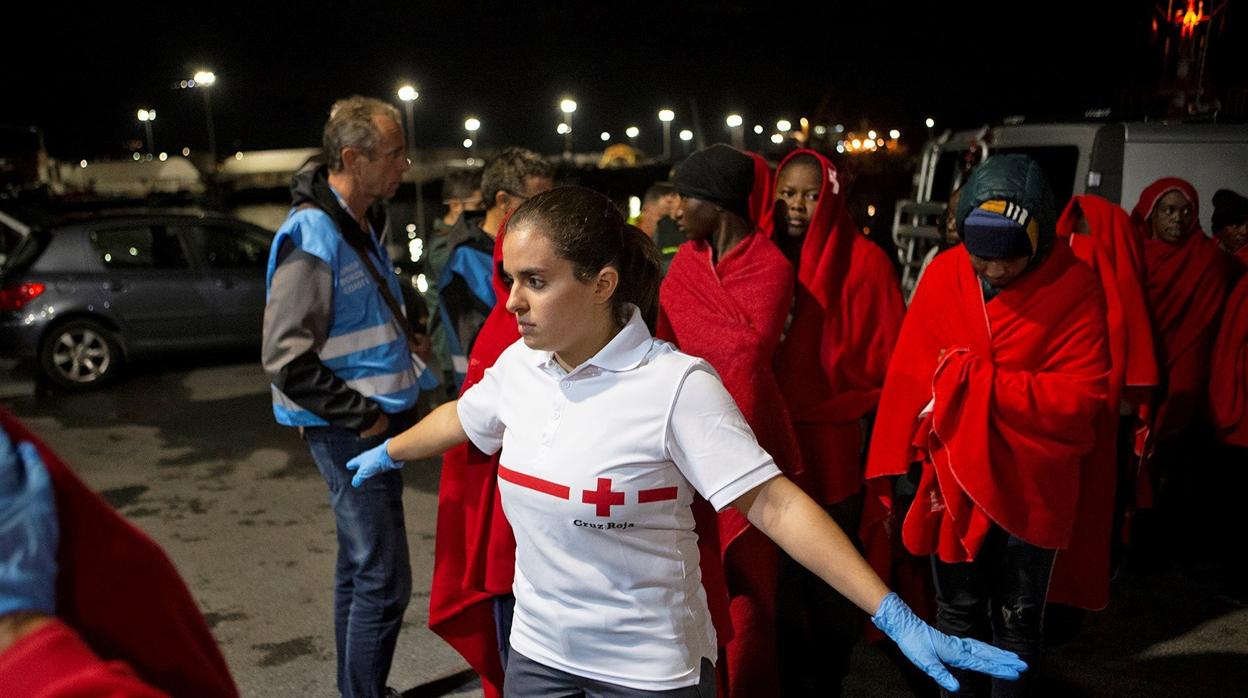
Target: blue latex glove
x,y
29,533
930,650
373,461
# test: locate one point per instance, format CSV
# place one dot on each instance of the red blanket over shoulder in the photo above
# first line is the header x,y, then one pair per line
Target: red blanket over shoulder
x,y
118,590
731,314
475,550
1081,572
1187,286
1123,250
761,195
1228,384
846,320
1016,387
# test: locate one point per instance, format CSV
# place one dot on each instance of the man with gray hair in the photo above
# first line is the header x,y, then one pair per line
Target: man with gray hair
x,y
341,358
465,290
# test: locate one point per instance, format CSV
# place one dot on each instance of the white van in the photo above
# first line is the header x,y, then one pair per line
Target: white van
x,y
1113,160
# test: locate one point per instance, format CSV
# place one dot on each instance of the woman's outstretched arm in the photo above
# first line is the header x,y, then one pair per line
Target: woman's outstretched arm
x,y
804,530
439,431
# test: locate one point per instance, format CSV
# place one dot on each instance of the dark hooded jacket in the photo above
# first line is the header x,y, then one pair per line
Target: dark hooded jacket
x,y
304,378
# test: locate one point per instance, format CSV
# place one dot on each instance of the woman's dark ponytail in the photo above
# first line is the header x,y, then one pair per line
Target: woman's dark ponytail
x,y
641,271
587,229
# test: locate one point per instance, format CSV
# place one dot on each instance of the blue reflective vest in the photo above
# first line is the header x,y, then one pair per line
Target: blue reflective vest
x,y
364,347
477,269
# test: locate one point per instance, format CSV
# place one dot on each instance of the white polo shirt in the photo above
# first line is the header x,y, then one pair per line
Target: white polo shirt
x,y
598,471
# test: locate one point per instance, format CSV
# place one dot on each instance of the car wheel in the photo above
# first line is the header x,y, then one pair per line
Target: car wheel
x,y
80,354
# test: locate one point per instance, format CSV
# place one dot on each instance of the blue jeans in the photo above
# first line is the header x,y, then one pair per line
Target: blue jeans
x,y
373,578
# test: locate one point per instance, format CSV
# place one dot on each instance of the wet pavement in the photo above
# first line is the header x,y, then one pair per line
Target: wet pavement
x,y
188,451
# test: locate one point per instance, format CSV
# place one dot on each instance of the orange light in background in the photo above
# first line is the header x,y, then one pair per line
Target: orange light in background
x,y
1189,19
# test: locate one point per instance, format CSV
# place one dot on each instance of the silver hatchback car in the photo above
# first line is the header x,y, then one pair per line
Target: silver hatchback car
x,y
79,296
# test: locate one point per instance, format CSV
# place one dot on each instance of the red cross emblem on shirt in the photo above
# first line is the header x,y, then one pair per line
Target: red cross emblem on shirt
x,y
602,497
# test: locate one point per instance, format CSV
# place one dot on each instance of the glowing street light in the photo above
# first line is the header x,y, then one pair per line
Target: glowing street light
x,y
563,129
147,116
604,136
758,129
203,80
666,116
567,106
894,134
685,137
930,122
472,124
777,138
734,122
408,94
632,132
784,126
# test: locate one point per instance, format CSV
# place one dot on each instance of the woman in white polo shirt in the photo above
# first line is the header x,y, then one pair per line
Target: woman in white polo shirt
x,y
607,433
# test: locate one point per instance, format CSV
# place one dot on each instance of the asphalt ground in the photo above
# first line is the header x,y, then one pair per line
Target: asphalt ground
x,y
187,450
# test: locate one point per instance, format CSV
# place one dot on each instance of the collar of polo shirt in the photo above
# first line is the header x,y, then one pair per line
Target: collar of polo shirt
x,y
624,352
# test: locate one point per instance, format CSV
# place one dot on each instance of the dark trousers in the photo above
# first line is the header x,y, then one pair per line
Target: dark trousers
x,y
373,577
529,679
816,627
999,598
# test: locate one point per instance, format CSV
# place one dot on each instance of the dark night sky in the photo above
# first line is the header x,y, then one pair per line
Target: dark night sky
x,y
80,75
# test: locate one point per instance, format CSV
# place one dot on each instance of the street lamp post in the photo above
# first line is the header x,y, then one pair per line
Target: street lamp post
x,y
147,116
408,95
666,116
685,136
735,122
632,132
205,79
567,106
472,124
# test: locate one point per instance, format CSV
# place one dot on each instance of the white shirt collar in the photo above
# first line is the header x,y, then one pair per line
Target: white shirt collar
x,y
626,350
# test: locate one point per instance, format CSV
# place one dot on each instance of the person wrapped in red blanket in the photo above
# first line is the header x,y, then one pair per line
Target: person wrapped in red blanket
x,y
725,299
1228,388
1228,385
474,552
125,623
1188,279
843,324
1094,227
996,391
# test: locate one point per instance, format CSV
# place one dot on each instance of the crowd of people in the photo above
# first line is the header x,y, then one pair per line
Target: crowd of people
x,y
690,467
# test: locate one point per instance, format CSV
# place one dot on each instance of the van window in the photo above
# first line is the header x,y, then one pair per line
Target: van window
x,y
139,247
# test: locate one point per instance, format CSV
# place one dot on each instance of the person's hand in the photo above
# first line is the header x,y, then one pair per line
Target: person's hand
x,y
421,346
379,427
930,650
29,533
373,461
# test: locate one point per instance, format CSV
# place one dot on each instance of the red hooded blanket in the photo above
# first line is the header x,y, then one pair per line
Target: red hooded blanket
x,y
122,595
1081,572
475,551
731,314
846,319
1187,285
999,401
1228,384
